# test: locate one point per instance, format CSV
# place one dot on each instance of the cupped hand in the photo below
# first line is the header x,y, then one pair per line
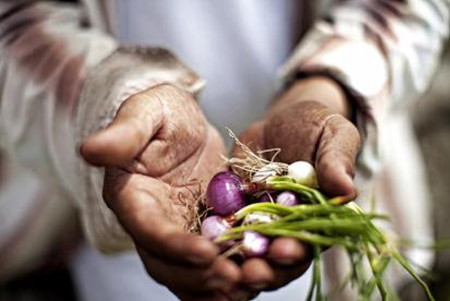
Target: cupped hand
x,y
158,142
308,122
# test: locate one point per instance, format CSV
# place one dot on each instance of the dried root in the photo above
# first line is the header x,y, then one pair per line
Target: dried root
x,y
252,162
195,206
196,210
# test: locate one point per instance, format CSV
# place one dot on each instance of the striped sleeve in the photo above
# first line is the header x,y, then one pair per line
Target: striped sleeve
x,y
61,81
383,52
44,58
45,55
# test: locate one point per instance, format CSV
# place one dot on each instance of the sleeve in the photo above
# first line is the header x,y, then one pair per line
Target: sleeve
x,y
382,52
60,81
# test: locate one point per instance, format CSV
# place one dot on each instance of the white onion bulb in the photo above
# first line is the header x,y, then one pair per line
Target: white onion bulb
x,y
264,173
303,173
259,218
254,244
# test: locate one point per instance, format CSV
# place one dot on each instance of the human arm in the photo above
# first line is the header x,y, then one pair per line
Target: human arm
x,y
42,72
61,83
379,55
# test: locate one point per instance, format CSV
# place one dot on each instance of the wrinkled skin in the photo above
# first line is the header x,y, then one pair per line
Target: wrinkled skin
x,y
308,122
158,141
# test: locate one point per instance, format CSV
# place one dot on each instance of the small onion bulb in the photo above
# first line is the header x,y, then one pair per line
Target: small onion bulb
x,y
267,197
303,173
287,198
259,218
225,194
264,173
254,244
214,226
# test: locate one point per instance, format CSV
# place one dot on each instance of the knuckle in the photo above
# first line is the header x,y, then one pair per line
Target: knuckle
x,y
353,133
350,130
322,161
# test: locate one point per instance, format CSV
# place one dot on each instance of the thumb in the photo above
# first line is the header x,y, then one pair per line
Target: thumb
x,y
336,156
137,121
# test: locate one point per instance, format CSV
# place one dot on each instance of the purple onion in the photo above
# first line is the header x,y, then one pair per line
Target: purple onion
x,y
214,226
287,198
254,244
267,197
225,194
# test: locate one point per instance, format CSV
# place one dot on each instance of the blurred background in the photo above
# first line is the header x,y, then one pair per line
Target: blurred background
x,y
431,116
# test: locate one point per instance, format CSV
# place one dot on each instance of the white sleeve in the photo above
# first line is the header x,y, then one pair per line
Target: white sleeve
x,y
47,61
383,52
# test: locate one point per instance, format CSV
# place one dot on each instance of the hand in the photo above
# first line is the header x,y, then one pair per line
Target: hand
x,y
156,144
308,122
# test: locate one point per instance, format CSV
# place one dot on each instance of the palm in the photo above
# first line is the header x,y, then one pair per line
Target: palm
x,y
309,131
171,191
160,150
158,144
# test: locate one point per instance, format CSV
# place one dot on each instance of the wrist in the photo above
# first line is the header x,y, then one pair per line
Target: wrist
x,y
321,89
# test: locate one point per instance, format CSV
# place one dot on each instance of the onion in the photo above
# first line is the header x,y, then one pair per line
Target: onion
x,y
303,173
214,226
259,218
267,197
287,198
254,244
264,172
225,193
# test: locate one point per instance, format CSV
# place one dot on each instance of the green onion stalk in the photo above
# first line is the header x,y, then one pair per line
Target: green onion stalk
x,y
235,219
324,222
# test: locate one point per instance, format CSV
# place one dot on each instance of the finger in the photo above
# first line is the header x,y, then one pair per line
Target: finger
x,y
288,260
178,157
336,156
257,273
260,275
295,130
138,202
240,292
287,251
222,273
283,275
136,122
209,296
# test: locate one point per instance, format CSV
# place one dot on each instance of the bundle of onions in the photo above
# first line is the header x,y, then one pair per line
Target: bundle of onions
x,y
272,199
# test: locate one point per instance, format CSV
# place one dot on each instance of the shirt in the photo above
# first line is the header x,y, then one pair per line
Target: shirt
x,y
56,64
